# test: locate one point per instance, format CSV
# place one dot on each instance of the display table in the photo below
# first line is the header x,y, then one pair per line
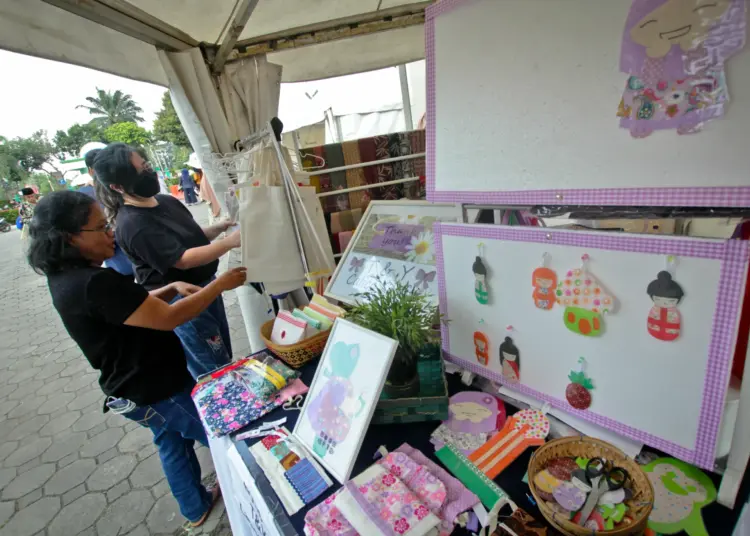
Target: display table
x,y
255,510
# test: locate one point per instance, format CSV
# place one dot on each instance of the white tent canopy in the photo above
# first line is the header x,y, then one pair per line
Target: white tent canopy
x,y
310,40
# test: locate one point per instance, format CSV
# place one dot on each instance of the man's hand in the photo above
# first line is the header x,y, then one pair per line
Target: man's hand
x,y
233,278
185,289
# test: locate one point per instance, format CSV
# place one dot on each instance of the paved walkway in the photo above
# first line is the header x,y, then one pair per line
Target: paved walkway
x,y
65,467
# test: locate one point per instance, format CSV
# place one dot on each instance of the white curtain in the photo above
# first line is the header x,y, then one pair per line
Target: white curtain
x,y
198,106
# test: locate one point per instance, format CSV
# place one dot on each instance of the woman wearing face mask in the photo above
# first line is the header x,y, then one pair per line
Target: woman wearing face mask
x,y
166,245
126,333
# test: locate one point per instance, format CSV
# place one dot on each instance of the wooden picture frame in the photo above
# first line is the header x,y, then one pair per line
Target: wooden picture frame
x,y
403,219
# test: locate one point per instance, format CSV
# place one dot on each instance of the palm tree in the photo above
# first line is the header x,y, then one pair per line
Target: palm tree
x,y
112,108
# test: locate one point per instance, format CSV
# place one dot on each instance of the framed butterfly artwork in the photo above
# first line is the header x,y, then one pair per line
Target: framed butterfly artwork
x,y
393,243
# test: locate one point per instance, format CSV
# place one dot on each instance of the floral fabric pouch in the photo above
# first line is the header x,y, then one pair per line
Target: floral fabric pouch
x,y
236,395
377,503
327,520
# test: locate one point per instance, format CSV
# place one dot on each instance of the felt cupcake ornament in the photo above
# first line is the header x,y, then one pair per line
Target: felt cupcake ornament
x,y
585,301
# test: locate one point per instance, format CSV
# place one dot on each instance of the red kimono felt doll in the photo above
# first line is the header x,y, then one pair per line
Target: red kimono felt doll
x,y
664,319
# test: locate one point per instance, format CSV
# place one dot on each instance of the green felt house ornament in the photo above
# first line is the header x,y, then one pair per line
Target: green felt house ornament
x,y
680,491
585,301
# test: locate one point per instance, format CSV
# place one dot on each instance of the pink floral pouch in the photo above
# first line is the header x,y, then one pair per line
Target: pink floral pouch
x,y
378,503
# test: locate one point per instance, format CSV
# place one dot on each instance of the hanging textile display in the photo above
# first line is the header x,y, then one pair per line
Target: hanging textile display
x,y
674,52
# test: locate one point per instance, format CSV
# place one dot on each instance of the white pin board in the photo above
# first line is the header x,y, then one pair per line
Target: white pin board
x,y
522,101
668,394
393,243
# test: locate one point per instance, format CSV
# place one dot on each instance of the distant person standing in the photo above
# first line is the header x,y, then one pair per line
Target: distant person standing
x,y
188,187
26,210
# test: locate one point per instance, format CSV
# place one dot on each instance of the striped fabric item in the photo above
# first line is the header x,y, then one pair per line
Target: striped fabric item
x,y
355,177
306,481
334,156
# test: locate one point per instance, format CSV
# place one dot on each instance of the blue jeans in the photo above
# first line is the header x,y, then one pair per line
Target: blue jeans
x,y
176,427
190,196
206,339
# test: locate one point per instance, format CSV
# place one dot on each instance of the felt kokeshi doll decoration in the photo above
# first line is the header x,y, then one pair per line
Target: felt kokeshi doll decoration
x,y
482,348
585,301
510,360
481,290
664,318
544,281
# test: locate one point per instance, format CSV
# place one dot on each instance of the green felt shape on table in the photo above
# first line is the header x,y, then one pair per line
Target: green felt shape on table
x,y
680,491
612,514
582,462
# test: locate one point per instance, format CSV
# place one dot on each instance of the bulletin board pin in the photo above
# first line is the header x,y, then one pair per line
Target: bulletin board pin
x,y
584,259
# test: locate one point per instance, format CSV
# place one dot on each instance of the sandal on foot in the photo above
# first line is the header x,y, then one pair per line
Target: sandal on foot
x,y
215,494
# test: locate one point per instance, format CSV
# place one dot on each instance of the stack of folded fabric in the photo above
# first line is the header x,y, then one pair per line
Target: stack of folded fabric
x,y
343,225
403,493
294,475
296,326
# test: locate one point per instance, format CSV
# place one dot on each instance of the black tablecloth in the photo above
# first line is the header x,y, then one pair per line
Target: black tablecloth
x,y
719,520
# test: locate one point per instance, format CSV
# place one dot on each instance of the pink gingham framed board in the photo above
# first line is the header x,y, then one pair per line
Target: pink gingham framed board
x,y
522,98
660,379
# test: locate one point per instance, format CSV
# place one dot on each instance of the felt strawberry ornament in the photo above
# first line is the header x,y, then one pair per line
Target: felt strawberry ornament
x,y
578,391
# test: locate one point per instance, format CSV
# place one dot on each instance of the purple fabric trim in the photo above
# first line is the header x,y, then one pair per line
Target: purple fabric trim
x,y
459,498
734,256
369,510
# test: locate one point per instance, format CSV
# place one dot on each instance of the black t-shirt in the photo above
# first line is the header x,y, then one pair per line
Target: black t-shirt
x,y
156,238
142,365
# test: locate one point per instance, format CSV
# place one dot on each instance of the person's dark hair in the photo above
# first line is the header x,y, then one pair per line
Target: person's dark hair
x,y
112,166
27,191
665,287
57,216
91,157
478,267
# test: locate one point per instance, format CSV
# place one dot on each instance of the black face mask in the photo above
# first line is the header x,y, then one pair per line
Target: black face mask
x,y
145,184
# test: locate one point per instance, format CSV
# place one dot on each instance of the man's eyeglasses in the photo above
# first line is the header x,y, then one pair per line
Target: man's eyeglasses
x,y
107,227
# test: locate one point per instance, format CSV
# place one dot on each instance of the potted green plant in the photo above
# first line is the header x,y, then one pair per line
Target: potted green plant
x,y
402,312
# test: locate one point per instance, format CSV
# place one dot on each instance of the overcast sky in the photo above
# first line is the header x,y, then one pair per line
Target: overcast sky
x,y
42,94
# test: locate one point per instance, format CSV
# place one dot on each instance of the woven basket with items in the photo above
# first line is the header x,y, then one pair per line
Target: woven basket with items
x,y
295,355
564,460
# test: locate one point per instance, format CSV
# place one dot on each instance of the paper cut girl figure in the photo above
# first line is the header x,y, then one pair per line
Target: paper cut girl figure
x,y
510,360
482,347
675,52
664,318
332,411
480,284
544,281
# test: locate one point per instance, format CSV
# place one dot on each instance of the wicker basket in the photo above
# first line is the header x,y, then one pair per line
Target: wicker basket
x,y
639,506
295,355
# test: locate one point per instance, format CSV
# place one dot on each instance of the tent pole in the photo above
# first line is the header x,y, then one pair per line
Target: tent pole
x,y
241,17
405,98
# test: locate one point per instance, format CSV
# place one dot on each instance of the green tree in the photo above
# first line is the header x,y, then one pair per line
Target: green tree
x,y
167,126
78,135
129,133
21,157
112,108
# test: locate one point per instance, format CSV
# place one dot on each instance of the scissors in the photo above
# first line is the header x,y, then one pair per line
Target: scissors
x,y
604,476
